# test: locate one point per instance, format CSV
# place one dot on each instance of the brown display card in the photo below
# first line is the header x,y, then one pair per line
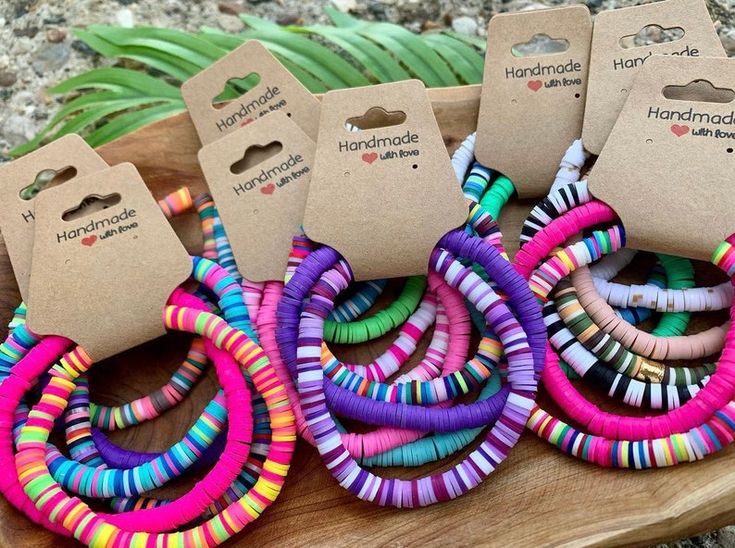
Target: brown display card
x,y
385,194
69,157
276,90
613,67
669,164
260,196
102,278
531,107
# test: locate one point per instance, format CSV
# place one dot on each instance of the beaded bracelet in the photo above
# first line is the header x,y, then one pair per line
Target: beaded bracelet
x,y
80,519
663,450
74,445
714,395
563,199
362,441
312,384
612,352
180,458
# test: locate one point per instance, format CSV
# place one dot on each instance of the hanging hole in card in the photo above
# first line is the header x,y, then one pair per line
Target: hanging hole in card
x,y
254,155
47,177
91,204
652,34
700,91
540,44
235,88
375,118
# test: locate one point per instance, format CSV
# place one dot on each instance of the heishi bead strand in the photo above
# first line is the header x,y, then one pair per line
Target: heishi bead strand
x,y
94,529
714,395
324,265
612,352
663,450
180,458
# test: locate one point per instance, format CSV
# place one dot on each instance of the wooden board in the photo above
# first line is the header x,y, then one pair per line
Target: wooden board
x,y
537,497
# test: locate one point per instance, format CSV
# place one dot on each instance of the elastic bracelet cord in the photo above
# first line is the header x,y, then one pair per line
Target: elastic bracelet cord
x,y
312,383
89,527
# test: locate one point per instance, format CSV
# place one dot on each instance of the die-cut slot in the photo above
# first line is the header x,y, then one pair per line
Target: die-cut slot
x,y
91,204
375,118
254,155
540,44
45,178
650,35
701,91
235,88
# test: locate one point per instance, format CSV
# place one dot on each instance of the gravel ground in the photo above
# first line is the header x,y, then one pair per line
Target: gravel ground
x,y
38,51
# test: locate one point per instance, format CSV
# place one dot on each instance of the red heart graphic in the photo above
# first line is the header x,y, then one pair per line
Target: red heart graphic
x,y
89,240
535,85
268,189
246,121
369,157
678,130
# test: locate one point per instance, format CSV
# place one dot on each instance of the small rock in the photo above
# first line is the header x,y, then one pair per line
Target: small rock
x,y
231,8
54,20
127,2
82,48
377,10
258,1
228,23
125,18
21,8
28,32
290,19
55,35
465,25
345,5
18,129
430,25
7,78
50,57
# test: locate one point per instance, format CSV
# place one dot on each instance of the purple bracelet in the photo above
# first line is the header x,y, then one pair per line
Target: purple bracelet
x,y
321,277
348,404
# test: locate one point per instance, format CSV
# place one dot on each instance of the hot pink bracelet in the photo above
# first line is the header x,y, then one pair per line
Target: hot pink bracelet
x,y
714,395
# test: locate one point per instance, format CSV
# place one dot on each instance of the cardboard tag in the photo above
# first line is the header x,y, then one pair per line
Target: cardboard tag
x,y
668,166
276,90
614,67
69,157
103,278
383,190
531,107
259,177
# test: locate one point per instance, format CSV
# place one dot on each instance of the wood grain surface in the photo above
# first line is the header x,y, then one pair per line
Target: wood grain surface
x,y
537,497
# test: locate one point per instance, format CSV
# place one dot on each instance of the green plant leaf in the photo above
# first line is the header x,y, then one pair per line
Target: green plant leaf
x,y
318,57
341,19
130,121
378,63
106,103
464,60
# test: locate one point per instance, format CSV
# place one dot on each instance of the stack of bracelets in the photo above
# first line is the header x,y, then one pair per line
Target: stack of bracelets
x,y
590,339
593,340
268,343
